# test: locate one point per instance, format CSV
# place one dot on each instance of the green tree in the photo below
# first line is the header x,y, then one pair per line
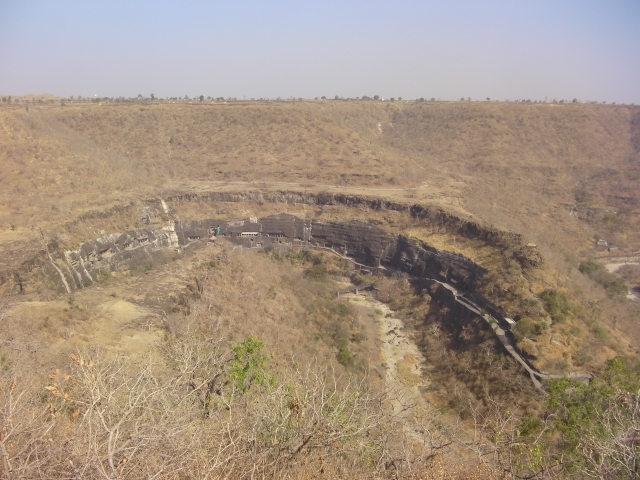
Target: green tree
x,y
201,98
344,356
249,365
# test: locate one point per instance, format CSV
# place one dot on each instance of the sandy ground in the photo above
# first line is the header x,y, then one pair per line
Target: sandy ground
x,y
116,325
612,267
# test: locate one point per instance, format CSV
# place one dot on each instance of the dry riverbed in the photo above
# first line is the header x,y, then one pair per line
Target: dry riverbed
x,y
401,360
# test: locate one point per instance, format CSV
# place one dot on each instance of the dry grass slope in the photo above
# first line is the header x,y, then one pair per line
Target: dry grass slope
x,y
561,175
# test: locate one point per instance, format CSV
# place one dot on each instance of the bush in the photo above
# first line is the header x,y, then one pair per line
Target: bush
x,y
615,287
316,272
527,328
596,420
104,276
115,419
557,305
588,267
296,257
249,365
345,357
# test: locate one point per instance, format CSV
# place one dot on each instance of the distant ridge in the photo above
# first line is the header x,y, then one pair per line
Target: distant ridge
x,y
33,96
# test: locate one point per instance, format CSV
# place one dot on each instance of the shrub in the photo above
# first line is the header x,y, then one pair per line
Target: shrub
x,y
115,419
615,287
104,276
588,267
249,365
296,257
345,357
597,421
316,272
557,305
527,328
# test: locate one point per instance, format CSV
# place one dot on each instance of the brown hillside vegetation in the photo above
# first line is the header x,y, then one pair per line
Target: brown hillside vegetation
x,y
145,358
217,360
524,157
559,174
506,163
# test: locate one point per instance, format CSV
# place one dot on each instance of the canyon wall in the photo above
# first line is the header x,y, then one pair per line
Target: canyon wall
x,y
364,243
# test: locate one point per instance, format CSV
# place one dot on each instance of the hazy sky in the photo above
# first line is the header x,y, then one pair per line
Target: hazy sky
x,y
503,49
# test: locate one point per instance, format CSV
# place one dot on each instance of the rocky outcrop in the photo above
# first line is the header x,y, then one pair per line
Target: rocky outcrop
x,y
434,215
360,240
68,270
365,243
132,248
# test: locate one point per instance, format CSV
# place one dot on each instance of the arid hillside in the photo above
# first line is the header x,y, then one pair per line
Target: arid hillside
x,y
563,176
505,163
108,218
518,158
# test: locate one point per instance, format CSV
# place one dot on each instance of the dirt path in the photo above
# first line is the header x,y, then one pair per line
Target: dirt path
x,y
617,262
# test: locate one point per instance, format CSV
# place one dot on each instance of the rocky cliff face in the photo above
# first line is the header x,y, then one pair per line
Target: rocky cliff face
x,y
421,260
68,270
435,215
363,242
453,279
132,248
